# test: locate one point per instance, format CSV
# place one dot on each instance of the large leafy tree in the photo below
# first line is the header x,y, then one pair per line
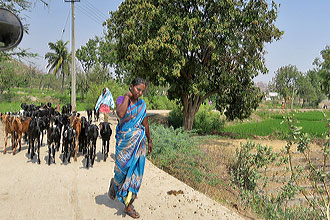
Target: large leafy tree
x,y
199,48
286,81
58,60
305,90
87,55
324,70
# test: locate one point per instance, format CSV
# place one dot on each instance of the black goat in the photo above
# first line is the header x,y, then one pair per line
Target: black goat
x,y
53,140
92,134
83,135
96,115
89,115
105,132
34,135
68,143
44,123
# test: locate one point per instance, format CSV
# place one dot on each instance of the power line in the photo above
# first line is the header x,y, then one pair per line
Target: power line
x,y
97,11
87,9
65,24
82,10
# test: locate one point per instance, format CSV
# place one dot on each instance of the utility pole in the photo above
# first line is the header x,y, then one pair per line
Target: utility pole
x,y
73,59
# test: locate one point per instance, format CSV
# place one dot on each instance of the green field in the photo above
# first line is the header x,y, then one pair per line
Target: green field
x,y
312,122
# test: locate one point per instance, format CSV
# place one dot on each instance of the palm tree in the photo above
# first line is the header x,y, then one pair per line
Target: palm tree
x,y
59,60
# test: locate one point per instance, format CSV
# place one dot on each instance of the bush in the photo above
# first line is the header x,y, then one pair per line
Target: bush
x,y
160,102
245,169
175,152
175,117
206,120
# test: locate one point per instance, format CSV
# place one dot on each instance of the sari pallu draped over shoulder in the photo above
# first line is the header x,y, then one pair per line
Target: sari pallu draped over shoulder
x,y
130,152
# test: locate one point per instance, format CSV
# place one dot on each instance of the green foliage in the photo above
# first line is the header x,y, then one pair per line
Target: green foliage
x,y
156,99
324,71
246,168
9,106
183,44
58,61
175,117
208,121
6,75
160,102
312,172
87,55
249,164
175,152
315,79
285,81
312,122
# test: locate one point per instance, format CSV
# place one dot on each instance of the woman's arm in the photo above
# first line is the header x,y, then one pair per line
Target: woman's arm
x,y
122,108
146,126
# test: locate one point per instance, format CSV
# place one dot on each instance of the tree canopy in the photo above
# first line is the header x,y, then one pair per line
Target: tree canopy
x,y
199,48
59,59
324,67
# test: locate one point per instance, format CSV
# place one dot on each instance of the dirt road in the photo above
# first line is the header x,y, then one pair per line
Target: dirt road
x,y
70,191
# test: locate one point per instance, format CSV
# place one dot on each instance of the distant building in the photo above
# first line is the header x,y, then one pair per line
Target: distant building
x,y
271,95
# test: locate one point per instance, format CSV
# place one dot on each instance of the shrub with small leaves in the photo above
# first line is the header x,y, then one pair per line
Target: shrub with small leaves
x,y
245,168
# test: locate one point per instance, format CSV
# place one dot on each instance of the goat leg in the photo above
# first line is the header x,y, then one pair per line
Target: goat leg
x,y
20,141
49,154
93,153
32,149
87,158
38,151
6,139
53,151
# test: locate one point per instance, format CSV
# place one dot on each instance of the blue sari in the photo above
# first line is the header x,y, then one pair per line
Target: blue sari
x,y
130,153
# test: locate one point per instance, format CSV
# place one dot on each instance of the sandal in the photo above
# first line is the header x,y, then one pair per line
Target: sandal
x,y
111,191
133,213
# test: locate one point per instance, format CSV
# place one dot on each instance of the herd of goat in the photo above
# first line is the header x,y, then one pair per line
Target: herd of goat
x,y
76,133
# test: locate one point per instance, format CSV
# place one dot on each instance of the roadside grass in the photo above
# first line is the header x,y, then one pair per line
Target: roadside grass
x,y
188,157
9,107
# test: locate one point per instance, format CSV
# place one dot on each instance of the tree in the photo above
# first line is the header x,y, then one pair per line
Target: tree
x,y
87,55
59,60
324,67
285,81
305,90
316,80
7,75
199,48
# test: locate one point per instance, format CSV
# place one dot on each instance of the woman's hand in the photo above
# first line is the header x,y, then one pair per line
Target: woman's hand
x,y
149,147
128,94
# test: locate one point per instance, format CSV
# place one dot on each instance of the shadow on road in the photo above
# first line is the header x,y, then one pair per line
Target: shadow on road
x,y
113,204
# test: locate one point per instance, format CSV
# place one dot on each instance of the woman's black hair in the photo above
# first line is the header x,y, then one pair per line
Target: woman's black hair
x,y
138,81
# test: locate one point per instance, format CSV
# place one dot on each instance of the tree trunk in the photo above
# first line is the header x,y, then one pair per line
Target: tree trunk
x,y
62,84
191,105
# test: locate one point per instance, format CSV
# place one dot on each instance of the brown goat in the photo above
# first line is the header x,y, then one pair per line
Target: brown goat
x,y
17,127
25,129
7,123
76,125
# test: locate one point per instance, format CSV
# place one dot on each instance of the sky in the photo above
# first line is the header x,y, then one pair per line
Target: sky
x,y
306,26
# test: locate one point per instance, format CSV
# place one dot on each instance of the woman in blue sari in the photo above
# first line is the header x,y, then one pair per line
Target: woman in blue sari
x,y
131,133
